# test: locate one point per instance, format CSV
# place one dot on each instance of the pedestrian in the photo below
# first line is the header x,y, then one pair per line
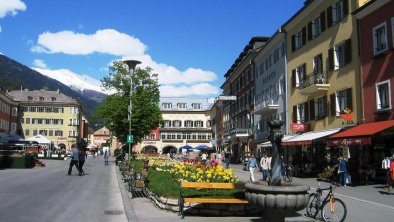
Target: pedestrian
x,y
227,157
265,164
106,157
74,161
252,165
81,160
342,170
204,158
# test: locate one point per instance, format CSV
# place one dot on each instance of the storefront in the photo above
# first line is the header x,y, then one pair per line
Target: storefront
x,y
366,146
307,152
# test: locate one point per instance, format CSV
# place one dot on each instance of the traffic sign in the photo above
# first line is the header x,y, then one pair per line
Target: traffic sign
x,y
130,139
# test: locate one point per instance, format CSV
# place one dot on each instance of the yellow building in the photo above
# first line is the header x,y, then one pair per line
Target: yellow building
x,y
323,66
49,113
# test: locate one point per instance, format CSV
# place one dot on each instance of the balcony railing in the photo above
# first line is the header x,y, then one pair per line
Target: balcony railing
x,y
313,79
267,105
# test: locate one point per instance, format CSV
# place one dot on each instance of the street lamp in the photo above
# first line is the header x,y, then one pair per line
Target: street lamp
x,y
131,64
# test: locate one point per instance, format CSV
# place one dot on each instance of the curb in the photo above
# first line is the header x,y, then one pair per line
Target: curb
x,y
130,214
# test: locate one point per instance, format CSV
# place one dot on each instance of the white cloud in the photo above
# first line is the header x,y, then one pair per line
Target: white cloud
x,y
112,42
107,41
11,7
40,64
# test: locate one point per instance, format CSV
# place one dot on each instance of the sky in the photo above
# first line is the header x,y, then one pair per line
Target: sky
x,y
190,44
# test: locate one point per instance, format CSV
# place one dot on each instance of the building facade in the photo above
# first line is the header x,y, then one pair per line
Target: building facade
x,y
187,121
8,114
48,113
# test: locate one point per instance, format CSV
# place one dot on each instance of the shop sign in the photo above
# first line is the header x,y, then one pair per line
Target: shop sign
x,y
62,138
347,115
299,127
350,141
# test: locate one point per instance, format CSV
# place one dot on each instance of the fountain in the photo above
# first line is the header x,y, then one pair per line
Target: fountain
x,y
278,198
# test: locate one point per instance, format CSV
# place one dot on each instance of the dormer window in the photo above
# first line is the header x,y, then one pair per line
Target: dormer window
x,y
41,98
182,106
196,105
29,98
53,98
166,105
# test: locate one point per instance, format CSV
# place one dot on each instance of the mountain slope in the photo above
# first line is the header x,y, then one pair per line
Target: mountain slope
x,y
15,76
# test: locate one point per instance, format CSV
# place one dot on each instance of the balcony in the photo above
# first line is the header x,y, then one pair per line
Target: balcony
x,y
266,106
315,82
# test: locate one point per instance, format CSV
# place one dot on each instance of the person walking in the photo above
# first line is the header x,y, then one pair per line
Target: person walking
x,y
252,165
74,161
106,157
265,164
342,170
81,160
227,157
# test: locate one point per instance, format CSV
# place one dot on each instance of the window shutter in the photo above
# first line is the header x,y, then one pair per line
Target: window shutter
x,y
349,99
306,112
293,43
295,114
293,78
304,69
348,51
333,105
331,59
329,17
325,106
312,109
202,123
304,36
345,7
323,21
310,31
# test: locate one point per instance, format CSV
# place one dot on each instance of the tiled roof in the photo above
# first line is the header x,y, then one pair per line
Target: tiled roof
x,y
41,96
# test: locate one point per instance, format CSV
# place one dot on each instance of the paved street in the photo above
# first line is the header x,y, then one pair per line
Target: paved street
x,y
48,194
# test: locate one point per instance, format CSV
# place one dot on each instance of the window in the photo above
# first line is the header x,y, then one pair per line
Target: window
x,y
167,105
50,132
182,106
318,108
318,69
300,113
14,111
198,123
29,98
188,123
43,132
152,136
27,120
340,101
209,123
379,38
41,98
392,30
53,98
34,132
383,99
167,123
13,127
298,75
317,26
196,105
340,55
58,133
282,86
298,39
177,123
337,12
27,132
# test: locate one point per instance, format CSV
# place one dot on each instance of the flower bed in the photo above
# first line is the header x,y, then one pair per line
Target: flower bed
x,y
201,173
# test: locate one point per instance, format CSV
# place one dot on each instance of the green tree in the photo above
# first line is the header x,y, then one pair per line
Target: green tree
x,y
145,96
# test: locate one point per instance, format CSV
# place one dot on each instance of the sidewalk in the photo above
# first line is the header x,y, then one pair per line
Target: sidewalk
x,y
372,194
143,209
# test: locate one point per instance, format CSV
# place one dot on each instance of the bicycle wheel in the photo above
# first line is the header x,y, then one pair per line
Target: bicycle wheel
x,y
334,212
313,206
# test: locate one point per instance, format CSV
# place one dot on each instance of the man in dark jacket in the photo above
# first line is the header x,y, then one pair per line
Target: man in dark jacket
x,y
81,159
74,160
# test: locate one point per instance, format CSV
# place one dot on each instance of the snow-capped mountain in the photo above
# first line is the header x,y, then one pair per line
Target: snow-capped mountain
x,y
72,80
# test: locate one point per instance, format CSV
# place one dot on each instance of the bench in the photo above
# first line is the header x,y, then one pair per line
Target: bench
x,y
137,182
207,185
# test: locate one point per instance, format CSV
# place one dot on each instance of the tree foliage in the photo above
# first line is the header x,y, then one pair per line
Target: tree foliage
x,y
145,97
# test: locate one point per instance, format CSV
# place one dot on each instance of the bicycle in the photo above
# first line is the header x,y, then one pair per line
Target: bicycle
x,y
331,208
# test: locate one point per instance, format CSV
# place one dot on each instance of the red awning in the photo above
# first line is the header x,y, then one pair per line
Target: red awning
x,y
359,135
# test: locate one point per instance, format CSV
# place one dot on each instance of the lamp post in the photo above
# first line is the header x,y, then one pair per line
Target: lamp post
x,y
131,64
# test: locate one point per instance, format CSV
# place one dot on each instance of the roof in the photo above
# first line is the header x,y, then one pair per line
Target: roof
x,y
41,96
307,138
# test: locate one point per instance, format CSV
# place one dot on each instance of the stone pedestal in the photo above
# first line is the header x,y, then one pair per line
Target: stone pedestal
x,y
277,201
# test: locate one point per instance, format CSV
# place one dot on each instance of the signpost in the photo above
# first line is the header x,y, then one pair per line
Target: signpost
x,y
130,139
